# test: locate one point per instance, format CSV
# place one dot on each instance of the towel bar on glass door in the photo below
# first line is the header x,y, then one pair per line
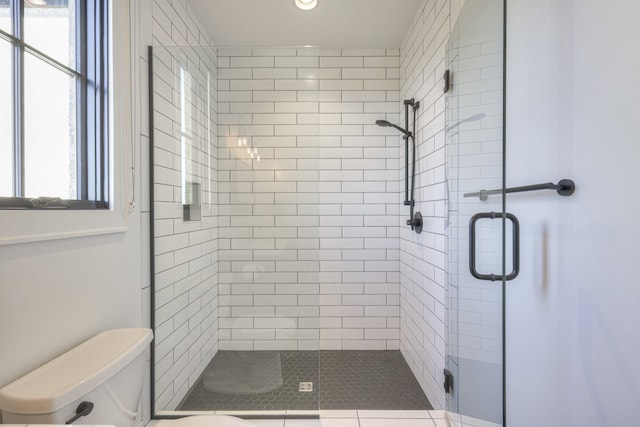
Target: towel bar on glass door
x,y
564,187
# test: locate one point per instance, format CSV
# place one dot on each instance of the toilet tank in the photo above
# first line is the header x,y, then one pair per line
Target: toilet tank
x,y
108,370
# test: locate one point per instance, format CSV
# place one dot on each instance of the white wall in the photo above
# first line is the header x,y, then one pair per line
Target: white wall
x,y
572,112
54,294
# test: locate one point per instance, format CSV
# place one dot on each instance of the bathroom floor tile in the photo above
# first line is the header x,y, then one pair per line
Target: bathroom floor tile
x,y
388,422
341,380
338,413
368,380
267,423
302,423
339,422
323,422
393,414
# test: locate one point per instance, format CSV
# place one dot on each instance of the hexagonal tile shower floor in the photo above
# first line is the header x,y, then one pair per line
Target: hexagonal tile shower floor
x,y
340,380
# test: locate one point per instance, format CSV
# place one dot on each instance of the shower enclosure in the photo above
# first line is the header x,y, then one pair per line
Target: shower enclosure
x,y
277,225
254,307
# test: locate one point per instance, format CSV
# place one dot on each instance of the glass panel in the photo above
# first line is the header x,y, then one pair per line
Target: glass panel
x,y
238,328
185,286
6,119
50,131
474,162
5,16
50,27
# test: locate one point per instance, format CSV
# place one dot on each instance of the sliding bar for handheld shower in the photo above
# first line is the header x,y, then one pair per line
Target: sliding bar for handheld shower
x,y
415,221
409,103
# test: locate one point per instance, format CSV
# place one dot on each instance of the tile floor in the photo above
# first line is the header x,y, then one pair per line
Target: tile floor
x,y
342,380
364,418
347,418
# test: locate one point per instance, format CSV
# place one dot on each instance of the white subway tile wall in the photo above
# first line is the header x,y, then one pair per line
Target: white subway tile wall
x,y
186,252
423,276
309,255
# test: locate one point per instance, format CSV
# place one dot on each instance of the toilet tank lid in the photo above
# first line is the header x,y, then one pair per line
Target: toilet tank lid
x,y
74,373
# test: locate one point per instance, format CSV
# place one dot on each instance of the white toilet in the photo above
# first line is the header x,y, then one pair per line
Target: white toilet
x,y
98,382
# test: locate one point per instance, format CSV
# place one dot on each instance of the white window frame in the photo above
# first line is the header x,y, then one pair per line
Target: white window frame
x,y
26,226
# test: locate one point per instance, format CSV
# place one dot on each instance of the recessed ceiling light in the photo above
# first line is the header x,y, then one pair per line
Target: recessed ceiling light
x,y
306,4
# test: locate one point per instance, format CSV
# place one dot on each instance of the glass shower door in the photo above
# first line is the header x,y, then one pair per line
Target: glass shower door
x,y
478,226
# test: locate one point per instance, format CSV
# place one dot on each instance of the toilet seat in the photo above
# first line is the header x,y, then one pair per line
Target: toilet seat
x,y
205,421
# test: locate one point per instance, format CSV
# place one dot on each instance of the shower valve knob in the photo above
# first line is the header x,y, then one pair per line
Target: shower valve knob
x,y
416,223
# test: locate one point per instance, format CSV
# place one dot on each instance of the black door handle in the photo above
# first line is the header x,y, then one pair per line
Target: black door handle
x,y
472,246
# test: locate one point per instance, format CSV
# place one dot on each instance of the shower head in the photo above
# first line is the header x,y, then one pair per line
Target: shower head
x,y
386,124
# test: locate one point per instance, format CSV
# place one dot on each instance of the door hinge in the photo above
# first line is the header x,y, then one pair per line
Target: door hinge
x,y
447,80
448,381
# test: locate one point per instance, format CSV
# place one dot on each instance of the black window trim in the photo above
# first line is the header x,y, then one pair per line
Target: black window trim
x,y
92,118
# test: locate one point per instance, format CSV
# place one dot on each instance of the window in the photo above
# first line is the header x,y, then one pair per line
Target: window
x,y
53,104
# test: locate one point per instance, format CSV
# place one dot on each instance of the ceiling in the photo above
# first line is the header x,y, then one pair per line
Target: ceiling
x,y
347,24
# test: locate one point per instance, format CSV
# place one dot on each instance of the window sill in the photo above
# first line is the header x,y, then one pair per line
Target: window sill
x,y
19,227
5,241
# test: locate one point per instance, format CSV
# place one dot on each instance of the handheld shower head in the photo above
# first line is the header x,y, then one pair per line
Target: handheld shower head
x,y
386,124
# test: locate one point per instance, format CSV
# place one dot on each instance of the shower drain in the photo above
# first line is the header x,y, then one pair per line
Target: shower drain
x,y
306,387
